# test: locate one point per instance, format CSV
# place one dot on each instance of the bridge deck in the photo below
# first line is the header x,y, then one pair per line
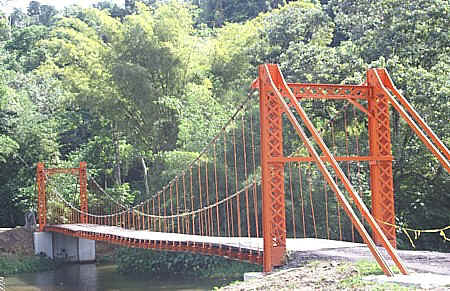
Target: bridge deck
x,y
242,243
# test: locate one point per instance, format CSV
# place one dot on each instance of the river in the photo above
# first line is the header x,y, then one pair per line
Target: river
x,y
90,277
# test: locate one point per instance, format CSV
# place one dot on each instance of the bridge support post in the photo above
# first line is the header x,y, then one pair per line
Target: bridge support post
x,y
274,220
42,200
83,192
381,180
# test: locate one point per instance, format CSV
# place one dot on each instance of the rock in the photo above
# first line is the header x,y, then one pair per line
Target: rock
x,y
30,221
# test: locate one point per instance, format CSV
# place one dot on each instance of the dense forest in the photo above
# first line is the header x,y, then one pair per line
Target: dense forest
x,y
137,90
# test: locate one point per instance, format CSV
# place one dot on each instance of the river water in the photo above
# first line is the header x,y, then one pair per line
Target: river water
x,y
89,277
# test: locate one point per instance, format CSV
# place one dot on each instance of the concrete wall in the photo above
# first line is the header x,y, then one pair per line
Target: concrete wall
x,y
86,250
43,243
68,248
65,247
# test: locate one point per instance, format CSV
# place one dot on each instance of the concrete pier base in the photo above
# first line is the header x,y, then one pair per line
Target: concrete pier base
x,y
67,248
253,275
43,243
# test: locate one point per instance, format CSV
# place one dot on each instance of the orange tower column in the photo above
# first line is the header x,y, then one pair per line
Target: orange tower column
x,y
381,180
83,192
274,217
42,200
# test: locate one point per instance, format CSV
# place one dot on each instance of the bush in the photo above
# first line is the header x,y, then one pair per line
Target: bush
x,y
11,264
161,263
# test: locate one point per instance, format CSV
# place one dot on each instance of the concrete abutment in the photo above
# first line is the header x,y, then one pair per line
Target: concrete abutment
x,y
67,248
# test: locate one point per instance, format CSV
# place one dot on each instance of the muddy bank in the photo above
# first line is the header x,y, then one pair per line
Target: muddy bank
x,y
17,241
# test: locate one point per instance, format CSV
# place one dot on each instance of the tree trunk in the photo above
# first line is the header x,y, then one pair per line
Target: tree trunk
x,y
144,167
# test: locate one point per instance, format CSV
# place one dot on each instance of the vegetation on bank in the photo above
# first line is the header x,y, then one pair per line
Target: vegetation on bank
x,y
318,275
162,263
12,264
365,268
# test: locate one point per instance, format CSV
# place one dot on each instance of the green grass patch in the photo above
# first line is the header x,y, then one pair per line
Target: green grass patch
x,y
365,268
13,264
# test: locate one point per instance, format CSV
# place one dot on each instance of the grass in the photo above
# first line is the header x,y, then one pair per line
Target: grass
x,y
365,268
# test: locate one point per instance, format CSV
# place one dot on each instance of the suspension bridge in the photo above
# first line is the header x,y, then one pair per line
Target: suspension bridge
x,y
294,161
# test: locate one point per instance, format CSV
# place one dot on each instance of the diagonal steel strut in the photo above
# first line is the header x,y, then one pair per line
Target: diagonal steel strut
x,y
273,71
385,82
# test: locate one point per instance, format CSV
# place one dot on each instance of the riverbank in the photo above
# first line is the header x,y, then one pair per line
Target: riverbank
x,y
14,264
322,275
17,254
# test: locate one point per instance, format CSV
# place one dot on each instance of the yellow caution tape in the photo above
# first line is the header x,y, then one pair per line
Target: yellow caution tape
x,y
418,232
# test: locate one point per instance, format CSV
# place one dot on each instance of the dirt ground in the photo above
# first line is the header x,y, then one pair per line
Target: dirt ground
x,y
317,275
418,261
314,276
326,269
16,241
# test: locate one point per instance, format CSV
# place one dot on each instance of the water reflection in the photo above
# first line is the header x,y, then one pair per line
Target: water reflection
x,y
89,277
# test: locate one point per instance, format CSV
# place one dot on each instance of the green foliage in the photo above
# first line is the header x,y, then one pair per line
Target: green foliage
x,y
11,264
123,193
24,44
365,268
7,147
202,116
160,263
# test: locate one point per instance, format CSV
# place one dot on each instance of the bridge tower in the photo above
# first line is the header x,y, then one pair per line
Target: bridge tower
x,y
272,172
42,175
273,160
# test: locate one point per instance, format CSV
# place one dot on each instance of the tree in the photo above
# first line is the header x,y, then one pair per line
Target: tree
x,y
77,55
215,13
47,15
416,31
23,46
18,18
34,8
113,9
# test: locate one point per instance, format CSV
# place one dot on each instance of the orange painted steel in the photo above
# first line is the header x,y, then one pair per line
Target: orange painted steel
x,y
328,91
339,159
41,178
436,146
235,253
272,173
271,84
381,181
83,191
42,199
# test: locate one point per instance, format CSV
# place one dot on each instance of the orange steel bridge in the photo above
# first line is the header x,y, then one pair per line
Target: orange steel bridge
x,y
322,153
